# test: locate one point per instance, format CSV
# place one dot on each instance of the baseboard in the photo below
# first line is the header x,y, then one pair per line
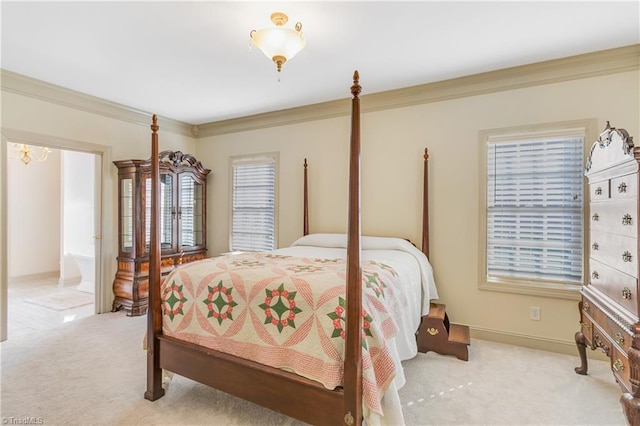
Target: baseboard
x,y
533,342
33,277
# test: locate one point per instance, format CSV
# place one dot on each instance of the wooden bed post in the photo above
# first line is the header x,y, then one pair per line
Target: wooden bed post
x,y
425,205
271,387
353,339
154,315
436,333
305,230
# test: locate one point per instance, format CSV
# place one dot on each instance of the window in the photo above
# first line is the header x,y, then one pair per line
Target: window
x,y
533,233
253,192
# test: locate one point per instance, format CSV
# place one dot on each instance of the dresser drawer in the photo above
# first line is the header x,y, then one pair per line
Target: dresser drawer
x,y
599,191
624,186
620,287
591,314
618,251
615,216
620,368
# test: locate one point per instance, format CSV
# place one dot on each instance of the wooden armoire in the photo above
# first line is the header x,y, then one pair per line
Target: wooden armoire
x,y
183,181
609,307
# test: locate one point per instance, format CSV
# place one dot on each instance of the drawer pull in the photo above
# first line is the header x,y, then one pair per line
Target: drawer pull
x,y
622,187
626,256
585,325
598,191
595,217
595,275
619,338
595,246
618,366
626,293
626,219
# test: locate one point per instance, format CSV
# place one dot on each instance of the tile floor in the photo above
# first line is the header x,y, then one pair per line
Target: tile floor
x,y
24,317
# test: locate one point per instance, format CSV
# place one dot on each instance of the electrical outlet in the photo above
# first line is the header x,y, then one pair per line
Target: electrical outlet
x,y
534,313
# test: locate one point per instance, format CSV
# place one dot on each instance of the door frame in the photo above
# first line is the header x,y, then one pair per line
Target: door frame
x,y
103,218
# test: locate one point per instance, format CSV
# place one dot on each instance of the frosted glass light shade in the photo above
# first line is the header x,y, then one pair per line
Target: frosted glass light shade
x,y
278,43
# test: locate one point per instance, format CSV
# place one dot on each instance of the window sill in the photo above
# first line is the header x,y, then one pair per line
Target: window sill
x,y
544,289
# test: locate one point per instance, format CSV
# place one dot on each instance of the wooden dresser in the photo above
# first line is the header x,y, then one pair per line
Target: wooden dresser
x,y
609,305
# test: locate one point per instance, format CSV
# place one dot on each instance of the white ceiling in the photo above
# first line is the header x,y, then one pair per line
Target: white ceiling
x,y
190,61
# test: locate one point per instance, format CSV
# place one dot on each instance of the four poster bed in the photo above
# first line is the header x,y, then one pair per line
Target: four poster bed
x,y
279,329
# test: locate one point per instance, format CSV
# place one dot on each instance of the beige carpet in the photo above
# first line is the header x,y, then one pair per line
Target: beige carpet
x,y
63,299
92,372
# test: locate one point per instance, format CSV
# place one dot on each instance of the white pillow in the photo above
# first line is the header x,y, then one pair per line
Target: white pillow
x,y
322,240
366,243
386,243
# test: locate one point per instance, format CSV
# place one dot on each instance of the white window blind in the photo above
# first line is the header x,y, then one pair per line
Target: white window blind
x,y
187,201
253,205
535,209
166,213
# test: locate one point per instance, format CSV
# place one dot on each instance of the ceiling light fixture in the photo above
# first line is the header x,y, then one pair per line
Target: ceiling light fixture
x,y
28,153
278,43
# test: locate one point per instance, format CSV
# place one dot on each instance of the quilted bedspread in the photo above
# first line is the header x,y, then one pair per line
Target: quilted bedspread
x,y
286,312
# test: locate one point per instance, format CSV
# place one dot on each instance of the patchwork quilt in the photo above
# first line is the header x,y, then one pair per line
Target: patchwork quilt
x,y
286,312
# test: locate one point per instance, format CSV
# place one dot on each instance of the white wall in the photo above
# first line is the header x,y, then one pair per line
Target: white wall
x,y
33,215
393,141
78,182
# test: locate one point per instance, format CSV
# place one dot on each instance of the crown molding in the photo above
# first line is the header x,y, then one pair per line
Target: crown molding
x,y
610,61
26,86
604,62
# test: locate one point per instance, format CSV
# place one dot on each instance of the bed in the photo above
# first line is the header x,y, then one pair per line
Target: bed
x,y
282,330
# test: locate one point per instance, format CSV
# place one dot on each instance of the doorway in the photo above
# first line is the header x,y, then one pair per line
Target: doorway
x,y
57,277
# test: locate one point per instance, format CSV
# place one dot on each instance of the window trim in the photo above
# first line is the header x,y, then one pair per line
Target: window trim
x,y
255,158
530,286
